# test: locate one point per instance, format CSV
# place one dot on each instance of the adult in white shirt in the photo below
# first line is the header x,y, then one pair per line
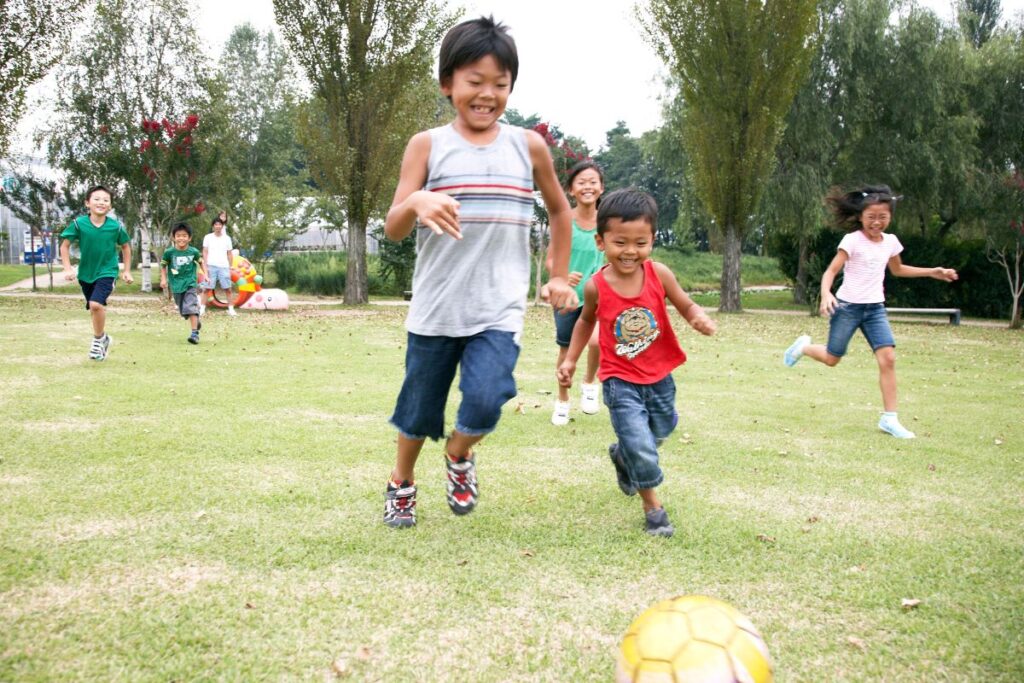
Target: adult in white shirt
x,y
217,258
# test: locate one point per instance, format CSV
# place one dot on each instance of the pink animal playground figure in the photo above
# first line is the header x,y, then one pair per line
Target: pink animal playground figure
x,y
249,290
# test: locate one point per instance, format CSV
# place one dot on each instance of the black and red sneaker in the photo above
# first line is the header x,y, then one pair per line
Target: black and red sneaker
x,y
462,490
400,505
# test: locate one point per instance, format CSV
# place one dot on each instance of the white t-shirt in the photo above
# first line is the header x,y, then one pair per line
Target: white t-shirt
x,y
864,272
217,250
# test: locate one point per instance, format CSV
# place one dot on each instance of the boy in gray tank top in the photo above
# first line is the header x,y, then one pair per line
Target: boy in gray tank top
x,y
467,190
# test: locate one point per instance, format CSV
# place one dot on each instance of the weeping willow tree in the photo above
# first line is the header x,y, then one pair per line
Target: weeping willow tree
x,y
369,62
738,64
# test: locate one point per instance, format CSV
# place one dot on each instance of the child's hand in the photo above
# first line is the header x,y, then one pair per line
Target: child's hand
x,y
127,277
439,212
565,372
827,305
560,295
163,283
69,273
945,274
574,278
703,324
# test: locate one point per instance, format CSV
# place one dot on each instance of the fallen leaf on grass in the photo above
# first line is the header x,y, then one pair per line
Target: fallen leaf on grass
x,y
805,529
339,667
765,538
249,605
546,392
813,519
462,563
363,653
199,515
856,569
999,442
931,468
857,642
526,553
521,408
909,603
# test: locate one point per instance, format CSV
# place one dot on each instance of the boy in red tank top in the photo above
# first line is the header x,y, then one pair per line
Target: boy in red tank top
x,y
639,350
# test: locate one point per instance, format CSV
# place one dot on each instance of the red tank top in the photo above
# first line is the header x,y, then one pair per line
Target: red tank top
x,y
636,339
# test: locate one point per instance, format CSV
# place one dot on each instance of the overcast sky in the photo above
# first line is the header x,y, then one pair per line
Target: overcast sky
x,y
584,64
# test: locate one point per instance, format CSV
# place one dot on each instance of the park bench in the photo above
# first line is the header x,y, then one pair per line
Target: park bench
x,y
953,313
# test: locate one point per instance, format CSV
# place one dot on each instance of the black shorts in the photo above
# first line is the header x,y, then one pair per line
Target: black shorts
x,y
98,291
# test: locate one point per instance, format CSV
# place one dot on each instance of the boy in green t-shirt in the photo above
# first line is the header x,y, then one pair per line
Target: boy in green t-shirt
x,y
98,237
184,262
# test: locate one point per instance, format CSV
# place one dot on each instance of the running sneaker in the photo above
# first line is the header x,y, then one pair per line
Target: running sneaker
x,y
231,310
588,401
194,337
560,415
890,424
656,523
462,488
625,485
96,348
795,350
400,505
106,345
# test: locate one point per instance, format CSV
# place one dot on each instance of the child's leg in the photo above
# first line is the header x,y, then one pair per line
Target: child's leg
x,y
486,382
637,447
405,460
650,499
98,313
819,352
194,322
563,392
886,358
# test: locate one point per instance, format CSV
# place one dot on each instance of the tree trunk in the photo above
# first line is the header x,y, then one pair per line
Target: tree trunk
x,y
800,289
144,263
1015,320
356,287
730,296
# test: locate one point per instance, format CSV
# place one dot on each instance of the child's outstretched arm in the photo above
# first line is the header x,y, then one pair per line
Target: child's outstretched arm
x,y
580,335
900,269
436,210
561,296
691,311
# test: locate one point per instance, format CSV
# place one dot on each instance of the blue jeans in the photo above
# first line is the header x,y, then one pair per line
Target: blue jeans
x,y
485,360
643,415
564,324
847,318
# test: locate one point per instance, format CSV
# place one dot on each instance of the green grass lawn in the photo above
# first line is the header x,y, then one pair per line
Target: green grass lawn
x,y
11,273
213,512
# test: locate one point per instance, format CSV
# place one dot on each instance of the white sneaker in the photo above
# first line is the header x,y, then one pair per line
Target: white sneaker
x,y
588,401
560,416
796,350
890,424
231,310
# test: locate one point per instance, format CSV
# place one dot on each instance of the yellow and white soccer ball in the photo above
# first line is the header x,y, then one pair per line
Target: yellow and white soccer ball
x,y
691,639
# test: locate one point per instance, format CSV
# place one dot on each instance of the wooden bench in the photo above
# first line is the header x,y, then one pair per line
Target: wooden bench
x,y
953,313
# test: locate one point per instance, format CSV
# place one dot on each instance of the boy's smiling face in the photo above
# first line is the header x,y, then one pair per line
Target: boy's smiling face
x,y
181,240
98,203
626,244
479,92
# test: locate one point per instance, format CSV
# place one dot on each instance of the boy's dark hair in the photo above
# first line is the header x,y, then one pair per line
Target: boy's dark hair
x,y
475,39
580,167
182,226
97,188
626,204
217,220
847,205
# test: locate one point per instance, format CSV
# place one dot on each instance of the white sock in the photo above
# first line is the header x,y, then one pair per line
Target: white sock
x,y
889,415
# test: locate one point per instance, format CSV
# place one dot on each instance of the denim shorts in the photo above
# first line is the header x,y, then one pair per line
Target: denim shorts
x,y
564,324
219,278
847,318
643,415
98,291
188,302
485,362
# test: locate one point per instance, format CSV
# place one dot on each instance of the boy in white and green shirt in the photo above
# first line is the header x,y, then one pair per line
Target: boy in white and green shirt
x,y
98,236
184,263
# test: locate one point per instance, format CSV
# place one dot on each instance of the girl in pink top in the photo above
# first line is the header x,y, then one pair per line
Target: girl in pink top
x,y
863,255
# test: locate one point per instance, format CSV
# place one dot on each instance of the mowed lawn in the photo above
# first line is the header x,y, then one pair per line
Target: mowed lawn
x,y
184,513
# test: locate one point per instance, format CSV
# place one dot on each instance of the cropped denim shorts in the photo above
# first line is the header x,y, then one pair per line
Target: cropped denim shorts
x,y
643,415
485,362
98,291
219,278
847,318
564,324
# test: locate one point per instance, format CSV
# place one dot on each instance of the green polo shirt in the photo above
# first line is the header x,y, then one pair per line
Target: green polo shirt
x,y
181,267
98,246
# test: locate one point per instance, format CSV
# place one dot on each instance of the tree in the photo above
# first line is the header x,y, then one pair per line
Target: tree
x,y
369,62
34,37
263,221
977,19
44,205
738,64
145,69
